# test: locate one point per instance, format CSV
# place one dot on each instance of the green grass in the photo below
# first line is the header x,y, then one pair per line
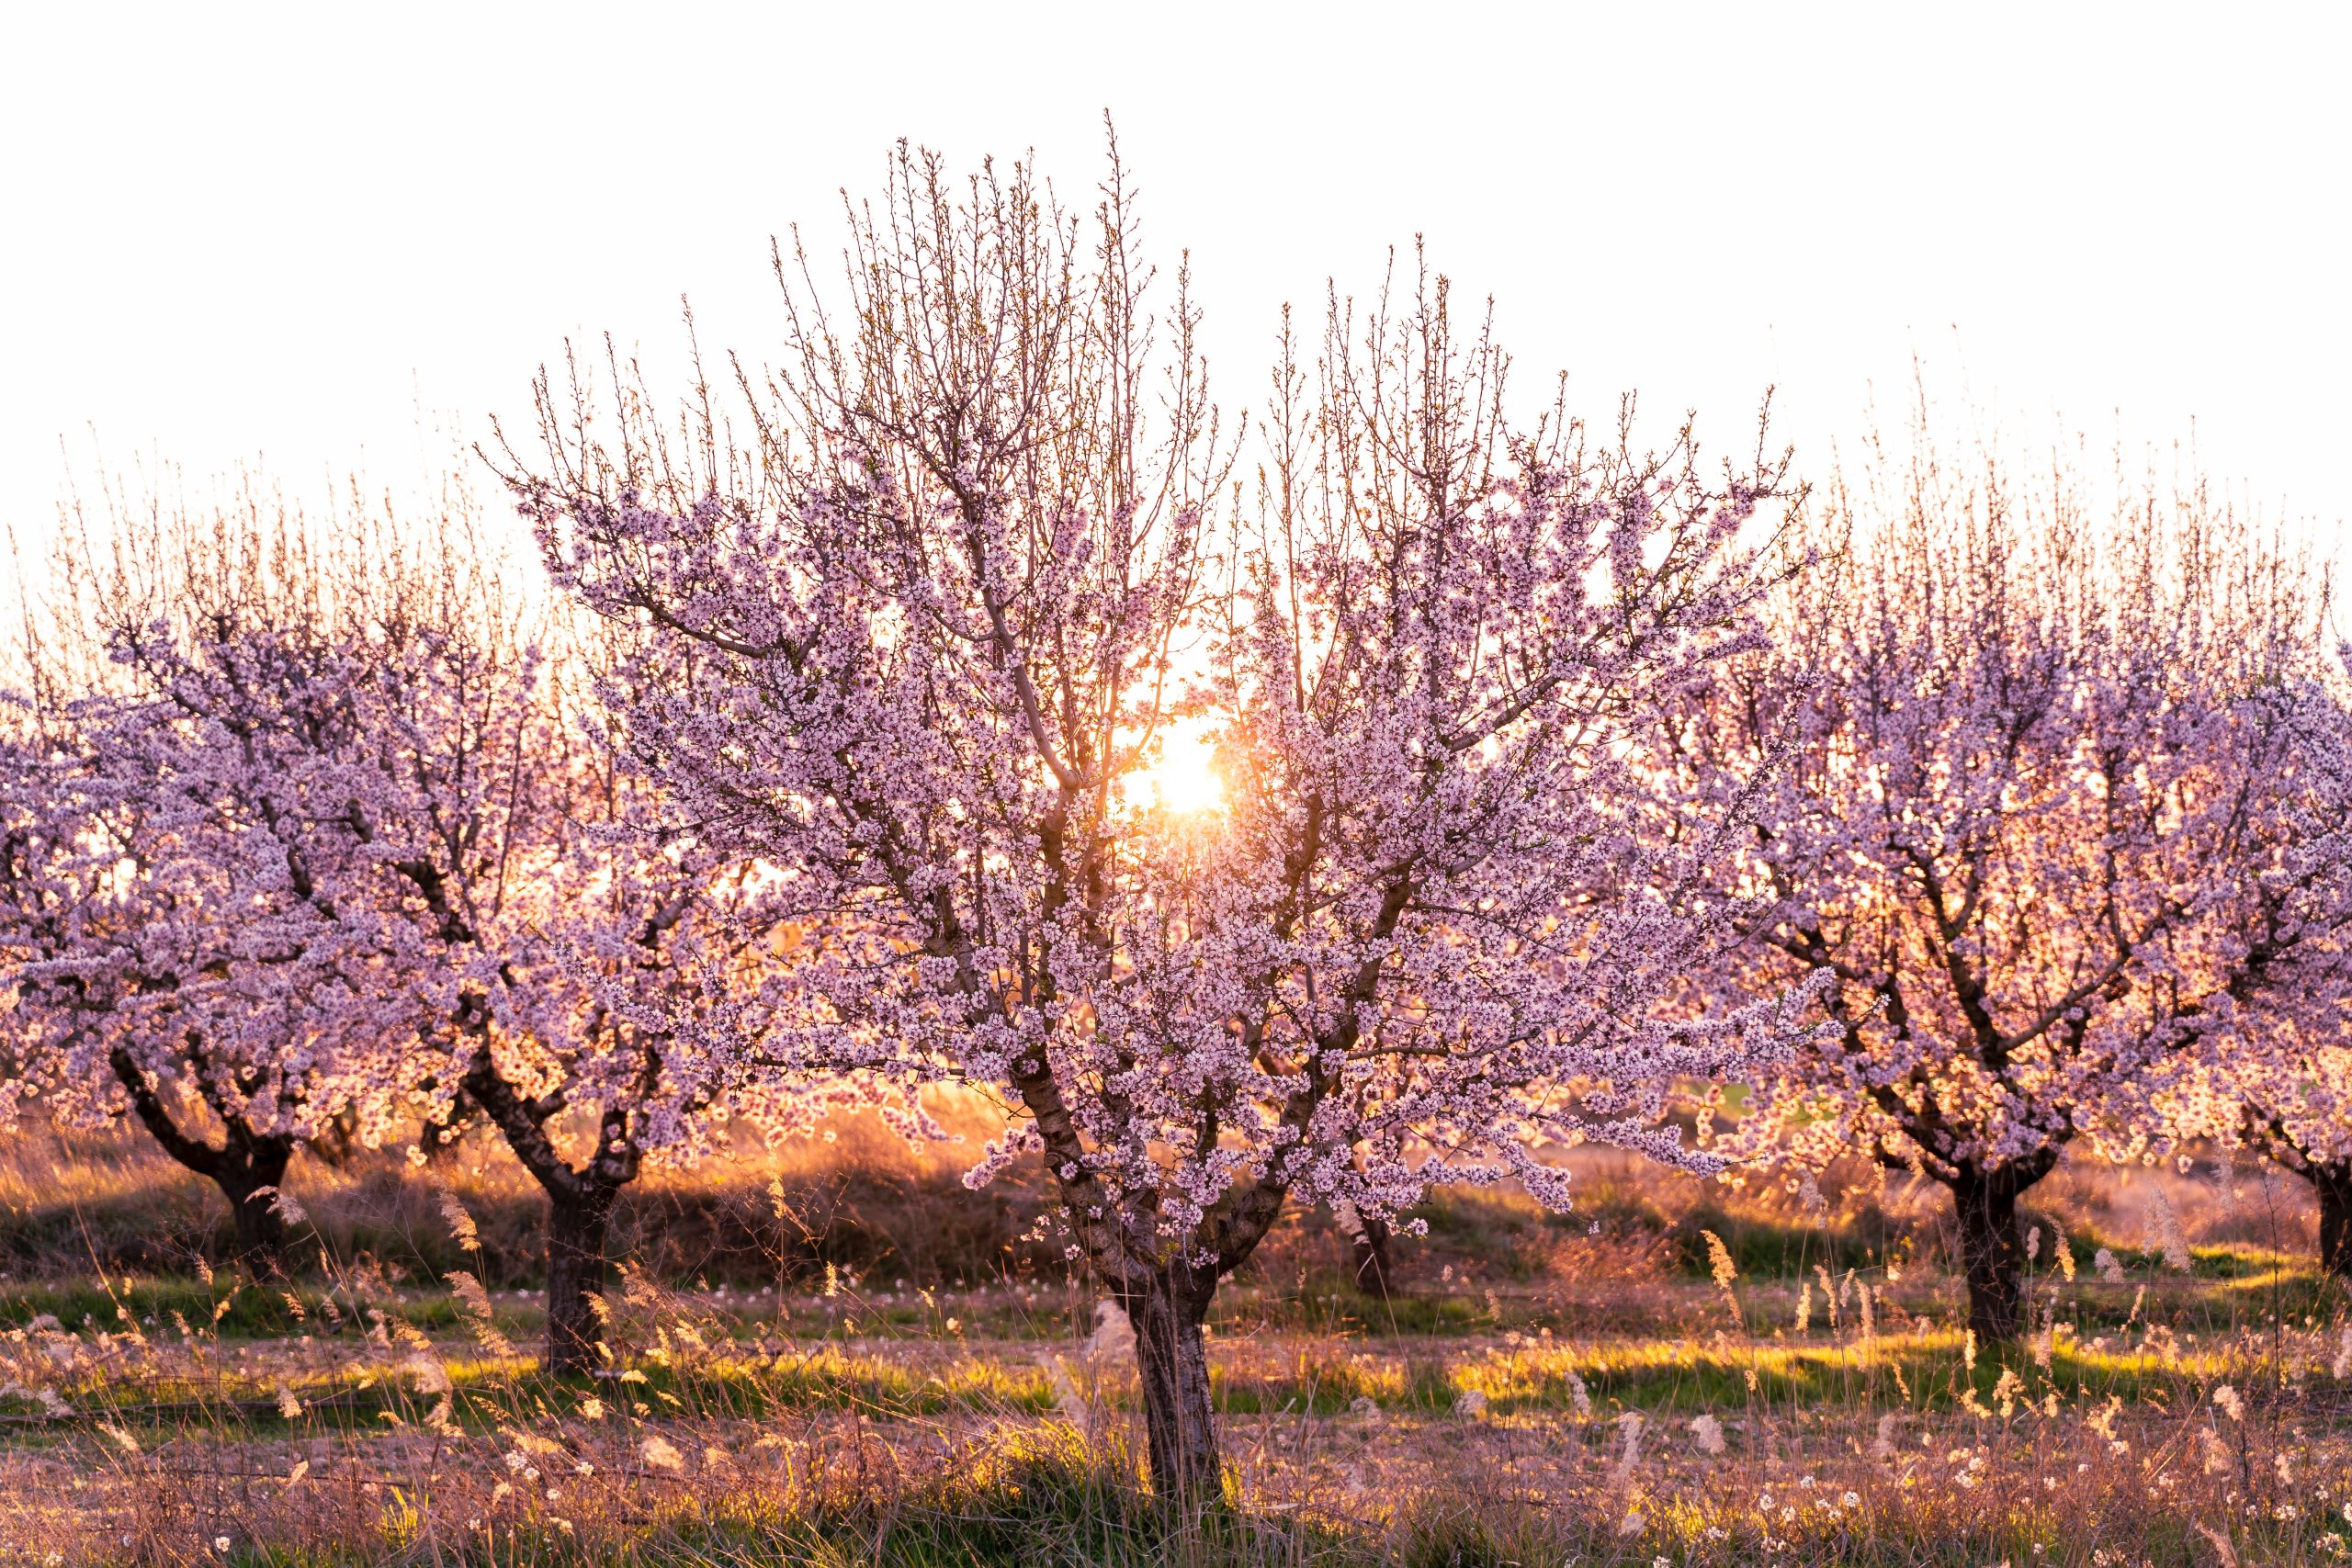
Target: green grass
x,y
1764,1247
1514,1237
486,1392
252,1312
1925,1374
1022,1487
1329,1303
1042,1503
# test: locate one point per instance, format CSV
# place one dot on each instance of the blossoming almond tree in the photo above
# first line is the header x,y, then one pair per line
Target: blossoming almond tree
x,y
2022,822
482,836
302,828
174,948
919,649
573,958
2276,1073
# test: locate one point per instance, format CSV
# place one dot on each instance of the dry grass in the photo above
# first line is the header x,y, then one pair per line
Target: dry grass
x,y
75,1203
1538,1392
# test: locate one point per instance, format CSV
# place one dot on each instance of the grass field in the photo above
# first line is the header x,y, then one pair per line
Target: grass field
x,y
839,1356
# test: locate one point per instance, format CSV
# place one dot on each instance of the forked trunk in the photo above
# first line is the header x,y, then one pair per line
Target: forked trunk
x,y
2333,1183
576,1226
1172,1359
1991,1254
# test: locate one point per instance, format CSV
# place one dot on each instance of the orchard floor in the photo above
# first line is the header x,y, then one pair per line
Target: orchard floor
x,y
2154,1418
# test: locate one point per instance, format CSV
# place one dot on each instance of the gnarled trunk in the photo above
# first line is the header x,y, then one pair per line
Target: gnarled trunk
x,y
336,1143
248,1167
1991,1254
2333,1183
1172,1357
576,1226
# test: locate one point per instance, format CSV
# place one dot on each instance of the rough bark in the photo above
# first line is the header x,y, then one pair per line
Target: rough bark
x,y
336,1144
2333,1183
1992,1253
1172,1359
576,1226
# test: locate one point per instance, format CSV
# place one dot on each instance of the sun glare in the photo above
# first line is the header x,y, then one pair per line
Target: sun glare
x,y
1185,780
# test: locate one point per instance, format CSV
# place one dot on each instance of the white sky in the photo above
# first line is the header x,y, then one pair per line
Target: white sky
x,y
283,236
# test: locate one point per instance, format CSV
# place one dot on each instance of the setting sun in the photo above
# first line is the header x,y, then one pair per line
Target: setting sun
x,y
1185,779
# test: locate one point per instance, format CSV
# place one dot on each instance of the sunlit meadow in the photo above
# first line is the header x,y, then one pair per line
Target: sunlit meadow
x,y
835,1354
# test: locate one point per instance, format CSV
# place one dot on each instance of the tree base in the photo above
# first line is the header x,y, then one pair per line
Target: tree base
x,y
1171,1355
1992,1253
576,1230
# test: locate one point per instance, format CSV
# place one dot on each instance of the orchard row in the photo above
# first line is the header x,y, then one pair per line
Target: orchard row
x,y
1962,810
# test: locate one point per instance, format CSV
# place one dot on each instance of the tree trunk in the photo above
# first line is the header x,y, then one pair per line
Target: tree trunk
x,y
1173,1359
576,1227
1371,1249
1991,1252
241,1168
2333,1182
242,1172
